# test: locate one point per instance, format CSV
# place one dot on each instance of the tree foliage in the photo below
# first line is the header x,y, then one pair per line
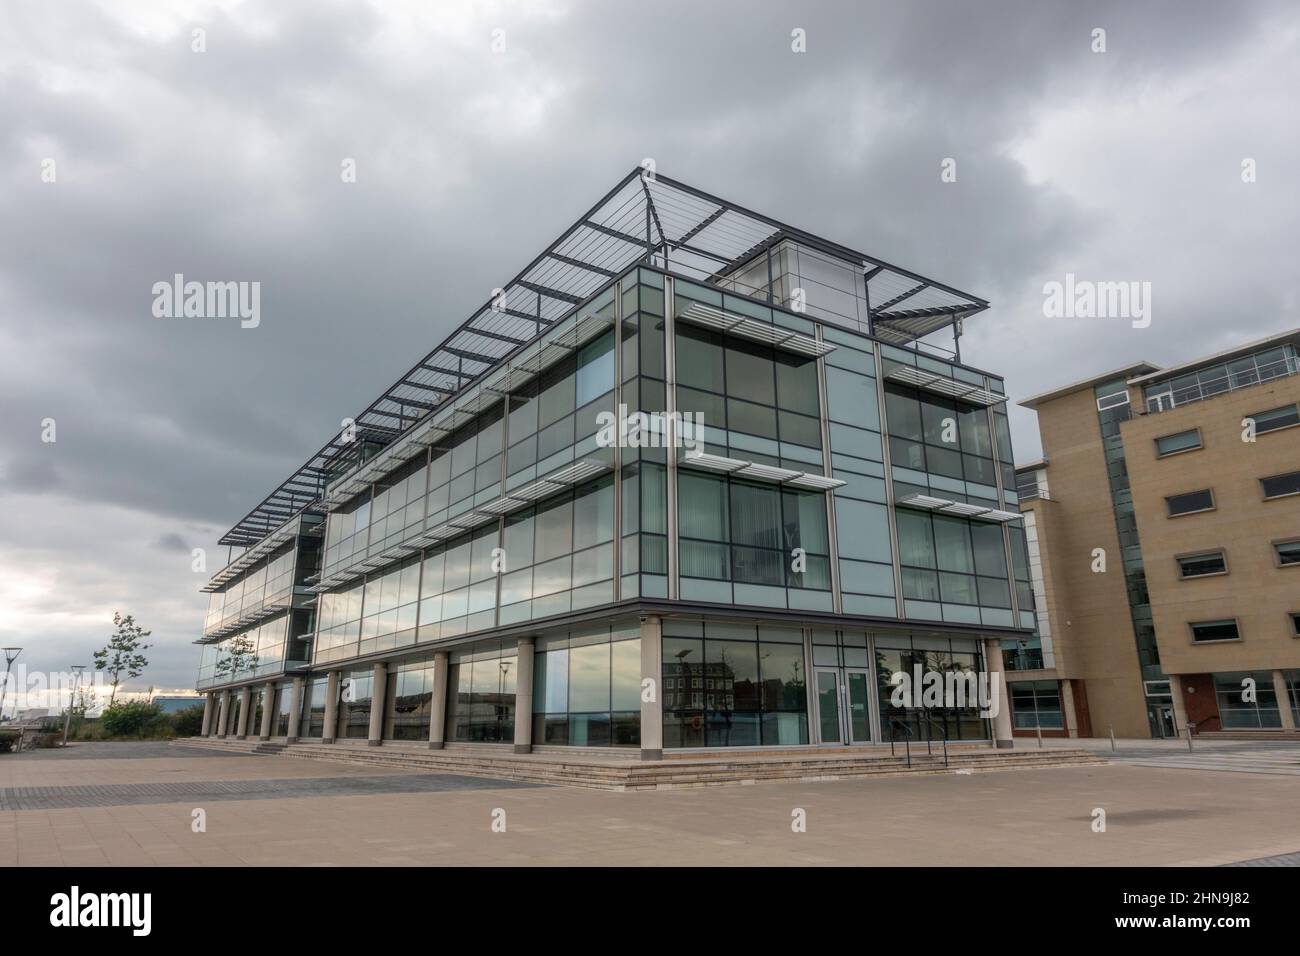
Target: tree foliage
x,y
122,658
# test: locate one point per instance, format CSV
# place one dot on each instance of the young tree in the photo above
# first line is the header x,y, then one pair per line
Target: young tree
x,y
121,658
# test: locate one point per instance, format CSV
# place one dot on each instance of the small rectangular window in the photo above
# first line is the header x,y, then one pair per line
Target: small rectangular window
x,y
1113,400
1181,441
1190,503
1275,418
1288,553
1294,617
1202,565
1279,486
1203,632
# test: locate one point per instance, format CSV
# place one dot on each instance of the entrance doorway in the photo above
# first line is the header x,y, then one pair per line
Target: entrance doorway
x,y
843,705
1160,714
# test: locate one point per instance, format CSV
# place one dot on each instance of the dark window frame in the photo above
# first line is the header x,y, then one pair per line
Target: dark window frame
x,y
1180,558
1181,514
1277,554
1286,494
1193,625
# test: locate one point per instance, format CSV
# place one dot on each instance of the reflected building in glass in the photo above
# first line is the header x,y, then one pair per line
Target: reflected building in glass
x,y
694,479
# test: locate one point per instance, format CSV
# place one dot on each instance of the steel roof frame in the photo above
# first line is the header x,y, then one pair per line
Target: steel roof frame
x,y
644,216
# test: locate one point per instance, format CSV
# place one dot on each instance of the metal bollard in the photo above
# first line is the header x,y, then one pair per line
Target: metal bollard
x,y
1113,748
1191,729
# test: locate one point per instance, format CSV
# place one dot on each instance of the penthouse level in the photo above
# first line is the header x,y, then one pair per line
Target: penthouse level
x,y
495,570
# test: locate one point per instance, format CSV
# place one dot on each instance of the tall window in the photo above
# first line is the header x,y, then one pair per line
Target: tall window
x,y
752,533
481,695
587,689
729,685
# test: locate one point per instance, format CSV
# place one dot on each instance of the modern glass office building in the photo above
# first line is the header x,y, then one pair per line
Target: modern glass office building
x,y
693,479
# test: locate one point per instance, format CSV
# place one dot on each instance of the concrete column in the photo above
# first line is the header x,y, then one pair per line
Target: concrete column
x,y
295,710
1283,700
223,713
652,711
268,710
379,680
1180,705
1067,707
438,706
1002,736
206,728
245,708
331,708
524,697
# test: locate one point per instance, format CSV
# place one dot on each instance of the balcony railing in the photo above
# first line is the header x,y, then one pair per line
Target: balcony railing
x,y
1030,659
1163,397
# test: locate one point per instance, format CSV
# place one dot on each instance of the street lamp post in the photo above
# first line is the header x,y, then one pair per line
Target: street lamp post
x,y
11,655
67,716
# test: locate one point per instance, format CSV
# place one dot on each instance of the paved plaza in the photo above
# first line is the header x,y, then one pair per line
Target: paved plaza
x,y
133,804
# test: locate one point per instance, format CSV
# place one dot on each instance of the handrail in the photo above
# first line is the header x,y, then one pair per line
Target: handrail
x,y
931,722
894,724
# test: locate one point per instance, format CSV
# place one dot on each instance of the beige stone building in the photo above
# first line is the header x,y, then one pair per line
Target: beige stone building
x,y
1163,529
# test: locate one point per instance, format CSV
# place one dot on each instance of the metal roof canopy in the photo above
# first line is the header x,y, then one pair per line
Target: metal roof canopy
x,y
645,217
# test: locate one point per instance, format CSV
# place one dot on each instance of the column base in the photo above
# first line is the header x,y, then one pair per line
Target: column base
x,y
435,744
374,743
264,737
221,736
327,740
241,736
1004,744
290,740
523,748
651,754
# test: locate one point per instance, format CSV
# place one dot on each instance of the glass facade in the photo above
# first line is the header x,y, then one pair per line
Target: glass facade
x,y
587,688
733,685
1035,704
1113,410
481,694
904,653
474,533
1247,700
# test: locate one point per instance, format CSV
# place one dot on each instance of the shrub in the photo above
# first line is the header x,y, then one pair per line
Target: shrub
x,y
131,719
188,722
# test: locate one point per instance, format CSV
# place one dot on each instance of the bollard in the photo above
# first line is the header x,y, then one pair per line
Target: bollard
x,y
1113,748
1040,736
1191,729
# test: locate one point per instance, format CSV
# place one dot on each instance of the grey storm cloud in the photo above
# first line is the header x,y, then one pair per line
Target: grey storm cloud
x,y
225,165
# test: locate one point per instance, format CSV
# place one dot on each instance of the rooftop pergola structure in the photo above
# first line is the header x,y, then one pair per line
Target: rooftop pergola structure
x,y
646,217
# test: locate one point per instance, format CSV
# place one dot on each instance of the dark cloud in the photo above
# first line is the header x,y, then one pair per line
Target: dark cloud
x,y
225,165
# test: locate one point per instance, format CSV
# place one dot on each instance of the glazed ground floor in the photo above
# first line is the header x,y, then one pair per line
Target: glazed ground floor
x,y
1260,700
646,683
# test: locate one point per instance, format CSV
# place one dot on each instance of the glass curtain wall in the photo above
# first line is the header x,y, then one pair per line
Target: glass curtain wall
x,y
481,694
409,700
586,688
733,685
897,652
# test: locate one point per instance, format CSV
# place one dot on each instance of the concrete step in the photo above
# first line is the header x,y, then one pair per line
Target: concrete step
x,y
623,772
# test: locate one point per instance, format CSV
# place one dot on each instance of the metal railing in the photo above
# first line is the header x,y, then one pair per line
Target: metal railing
x,y
1229,381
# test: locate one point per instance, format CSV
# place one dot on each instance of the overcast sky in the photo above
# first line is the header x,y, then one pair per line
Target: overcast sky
x,y
225,164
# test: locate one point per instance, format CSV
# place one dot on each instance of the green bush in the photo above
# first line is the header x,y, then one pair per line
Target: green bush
x,y
131,719
188,722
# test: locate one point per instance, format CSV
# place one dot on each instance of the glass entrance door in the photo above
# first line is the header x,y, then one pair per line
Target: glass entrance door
x,y
858,708
829,718
843,707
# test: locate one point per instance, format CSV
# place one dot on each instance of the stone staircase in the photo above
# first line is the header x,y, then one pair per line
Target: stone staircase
x,y
619,772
